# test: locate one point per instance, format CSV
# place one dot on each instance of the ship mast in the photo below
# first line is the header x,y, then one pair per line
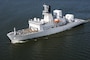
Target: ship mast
x,y
46,13
47,9
14,31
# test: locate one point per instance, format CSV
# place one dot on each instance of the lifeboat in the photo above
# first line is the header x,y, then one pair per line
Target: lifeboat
x,y
56,20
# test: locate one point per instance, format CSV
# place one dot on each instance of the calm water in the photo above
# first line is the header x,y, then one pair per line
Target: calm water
x,y
73,44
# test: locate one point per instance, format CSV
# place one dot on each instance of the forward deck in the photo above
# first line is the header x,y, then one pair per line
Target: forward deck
x,y
25,31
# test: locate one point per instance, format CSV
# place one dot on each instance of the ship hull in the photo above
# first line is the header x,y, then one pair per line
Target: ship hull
x,y
21,38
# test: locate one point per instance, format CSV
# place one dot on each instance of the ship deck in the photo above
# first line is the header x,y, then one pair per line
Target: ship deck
x,y
26,31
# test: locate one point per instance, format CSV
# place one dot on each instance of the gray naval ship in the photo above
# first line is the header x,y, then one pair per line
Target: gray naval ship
x,y
51,23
